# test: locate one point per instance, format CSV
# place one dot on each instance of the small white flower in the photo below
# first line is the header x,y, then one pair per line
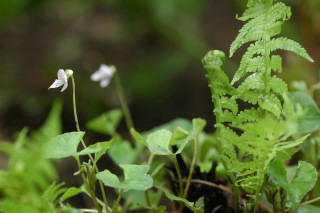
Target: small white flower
x,y
104,74
62,79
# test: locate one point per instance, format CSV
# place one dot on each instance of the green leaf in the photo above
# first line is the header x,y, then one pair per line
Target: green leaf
x,y
99,149
138,137
310,121
71,192
158,142
135,178
173,197
122,152
106,123
302,182
308,209
62,146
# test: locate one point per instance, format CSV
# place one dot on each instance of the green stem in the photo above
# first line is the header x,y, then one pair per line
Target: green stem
x,y
146,193
193,162
124,104
115,205
84,145
92,195
179,175
310,201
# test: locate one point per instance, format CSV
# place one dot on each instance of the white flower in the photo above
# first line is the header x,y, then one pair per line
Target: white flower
x,y
62,79
104,74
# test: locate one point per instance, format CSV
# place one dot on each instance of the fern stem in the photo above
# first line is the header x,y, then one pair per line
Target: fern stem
x,y
84,145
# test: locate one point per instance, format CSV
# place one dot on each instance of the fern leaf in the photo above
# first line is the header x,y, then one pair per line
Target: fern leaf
x,y
277,85
253,81
289,45
226,116
249,96
229,103
249,115
256,48
270,103
218,81
276,63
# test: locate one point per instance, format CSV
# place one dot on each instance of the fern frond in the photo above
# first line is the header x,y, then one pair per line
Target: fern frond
x,y
276,63
277,85
289,45
271,103
229,103
266,25
219,82
256,48
249,96
226,116
249,115
253,81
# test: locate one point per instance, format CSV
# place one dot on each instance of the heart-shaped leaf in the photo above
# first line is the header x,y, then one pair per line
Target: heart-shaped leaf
x,y
62,146
106,123
135,178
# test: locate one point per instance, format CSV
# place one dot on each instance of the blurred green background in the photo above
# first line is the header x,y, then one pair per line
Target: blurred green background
x,y
157,46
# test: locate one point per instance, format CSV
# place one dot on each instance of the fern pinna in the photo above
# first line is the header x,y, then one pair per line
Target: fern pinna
x,y
264,130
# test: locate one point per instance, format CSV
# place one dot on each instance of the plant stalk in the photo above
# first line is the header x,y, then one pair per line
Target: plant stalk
x,y
115,205
84,145
124,105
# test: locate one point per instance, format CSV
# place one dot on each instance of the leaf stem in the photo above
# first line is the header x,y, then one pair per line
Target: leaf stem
x,y
179,175
193,162
84,145
124,105
310,201
115,205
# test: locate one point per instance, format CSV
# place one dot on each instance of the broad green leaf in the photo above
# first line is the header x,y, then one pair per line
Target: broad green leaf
x,y
198,124
71,192
158,142
309,209
180,134
99,149
62,146
138,137
302,182
135,178
121,152
106,123
310,121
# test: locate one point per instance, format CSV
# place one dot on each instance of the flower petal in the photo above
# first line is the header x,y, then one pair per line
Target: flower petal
x,y
105,82
65,86
56,83
62,75
96,76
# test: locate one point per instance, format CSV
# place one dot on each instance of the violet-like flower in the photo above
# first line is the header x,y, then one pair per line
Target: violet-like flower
x,y
104,74
62,79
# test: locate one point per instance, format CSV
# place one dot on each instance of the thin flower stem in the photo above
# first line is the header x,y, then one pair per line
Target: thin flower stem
x,y
115,205
124,105
84,145
179,175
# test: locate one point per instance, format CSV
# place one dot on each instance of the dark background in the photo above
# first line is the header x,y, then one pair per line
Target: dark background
x,y
157,46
